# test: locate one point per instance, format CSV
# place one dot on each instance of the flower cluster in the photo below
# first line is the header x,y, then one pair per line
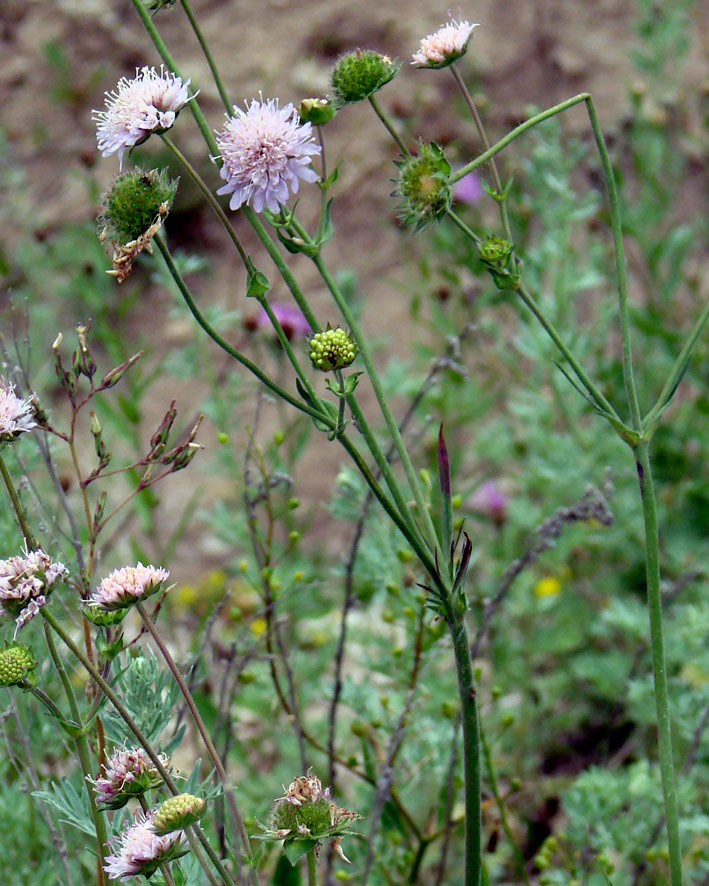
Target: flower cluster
x,y
127,774
16,415
306,812
141,851
126,586
25,582
444,46
265,151
332,349
138,107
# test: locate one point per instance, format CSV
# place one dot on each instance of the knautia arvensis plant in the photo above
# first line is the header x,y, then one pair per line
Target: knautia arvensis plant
x,y
260,161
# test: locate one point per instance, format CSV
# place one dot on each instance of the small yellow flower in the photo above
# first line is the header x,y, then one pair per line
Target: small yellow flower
x,y
258,626
549,586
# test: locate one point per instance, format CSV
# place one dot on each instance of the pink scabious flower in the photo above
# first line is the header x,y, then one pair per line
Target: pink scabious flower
x,y
123,587
16,415
141,851
445,45
291,318
468,189
264,152
127,774
147,103
490,500
25,583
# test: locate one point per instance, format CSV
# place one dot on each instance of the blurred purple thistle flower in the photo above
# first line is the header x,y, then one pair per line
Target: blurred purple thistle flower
x,y
490,500
468,189
291,318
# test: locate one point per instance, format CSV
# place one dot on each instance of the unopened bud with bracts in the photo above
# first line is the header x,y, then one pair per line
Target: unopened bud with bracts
x,y
113,376
132,203
159,439
423,187
332,349
498,257
316,111
359,74
177,813
16,665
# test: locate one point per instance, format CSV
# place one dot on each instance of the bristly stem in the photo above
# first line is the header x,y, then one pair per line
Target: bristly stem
x,y
199,723
390,129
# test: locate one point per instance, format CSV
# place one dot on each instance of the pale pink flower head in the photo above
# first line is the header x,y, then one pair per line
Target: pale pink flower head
x,y
128,585
490,500
147,103
445,45
16,415
265,151
127,774
139,850
25,584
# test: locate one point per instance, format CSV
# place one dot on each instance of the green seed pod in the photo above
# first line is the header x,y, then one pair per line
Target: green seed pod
x,y
359,74
422,187
16,664
177,813
332,349
133,203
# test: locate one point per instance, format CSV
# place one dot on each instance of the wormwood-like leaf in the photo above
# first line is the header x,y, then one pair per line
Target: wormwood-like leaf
x,y
71,805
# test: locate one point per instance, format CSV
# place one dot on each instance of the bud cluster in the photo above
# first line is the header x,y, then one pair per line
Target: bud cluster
x,y
177,813
16,664
332,349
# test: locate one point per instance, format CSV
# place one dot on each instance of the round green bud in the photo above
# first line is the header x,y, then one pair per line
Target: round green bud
x,y
496,691
247,677
177,813
317,111
397,651
387,616
359,74
16,664
332,349
359,729
515,784
134,201
495,250
293,503
278,437
293,536
422,187
449,709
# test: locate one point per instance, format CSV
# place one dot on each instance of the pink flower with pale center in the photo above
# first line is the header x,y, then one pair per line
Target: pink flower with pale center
x,y
445,45
265,151
141,851
16,415
147,103
127,773
125,586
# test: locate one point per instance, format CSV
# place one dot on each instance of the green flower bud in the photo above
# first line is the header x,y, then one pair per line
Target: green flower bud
x,y
133,203
103,618
317,111
359,74
495,249
332,349
498,256
16,664
422,187
177,813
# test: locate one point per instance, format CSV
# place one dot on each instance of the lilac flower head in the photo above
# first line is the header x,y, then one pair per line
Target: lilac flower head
x,y
128,773
141,851
468,189
445,45
291,318
148,103
16,415
25,582
126,586
264,152
489,499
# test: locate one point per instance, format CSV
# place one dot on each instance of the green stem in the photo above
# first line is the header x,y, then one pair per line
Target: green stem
x,y
471,745
202,729
42,697
208,55
675,375
392,426
519,858
662,705
208,196
515,133
290,353
390,129
82,749
137,732
382,463
17,507
497,182
312,881
630,389
225,346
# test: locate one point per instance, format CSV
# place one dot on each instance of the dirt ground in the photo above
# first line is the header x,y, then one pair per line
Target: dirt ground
x,y
525,52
